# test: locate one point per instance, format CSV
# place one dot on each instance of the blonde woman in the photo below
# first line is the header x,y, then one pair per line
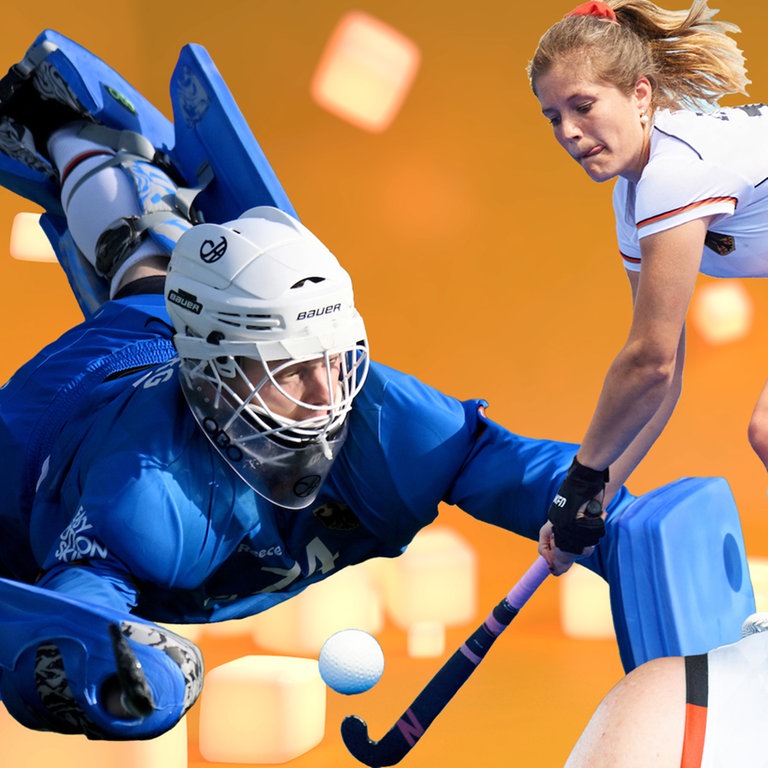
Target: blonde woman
x,y
631,92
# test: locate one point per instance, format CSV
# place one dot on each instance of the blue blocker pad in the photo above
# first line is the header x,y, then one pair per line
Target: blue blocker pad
x,y
213,141
677,569
30,616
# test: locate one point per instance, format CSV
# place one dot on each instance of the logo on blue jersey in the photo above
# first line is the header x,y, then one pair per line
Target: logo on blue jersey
x,y
77,543
336,516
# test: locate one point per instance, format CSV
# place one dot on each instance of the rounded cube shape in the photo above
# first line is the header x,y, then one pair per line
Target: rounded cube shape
x,y
435,580
262,709
585,605
758,570
365,71
426,639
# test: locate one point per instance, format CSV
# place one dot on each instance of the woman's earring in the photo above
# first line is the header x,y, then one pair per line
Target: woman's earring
x,y
643,118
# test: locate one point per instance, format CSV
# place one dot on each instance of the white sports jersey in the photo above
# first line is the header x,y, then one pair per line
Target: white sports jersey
x,y
738,704
703,165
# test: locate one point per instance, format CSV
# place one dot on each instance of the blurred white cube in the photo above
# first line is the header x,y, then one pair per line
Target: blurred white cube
x,y
28,241
722,311
365,71
426,639
585,605
435,580
261,709
758,571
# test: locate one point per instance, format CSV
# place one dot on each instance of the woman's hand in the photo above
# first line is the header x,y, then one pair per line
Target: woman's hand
x,y
559,562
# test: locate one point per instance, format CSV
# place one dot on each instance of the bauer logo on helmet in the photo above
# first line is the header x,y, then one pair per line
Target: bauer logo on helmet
x,y
308,314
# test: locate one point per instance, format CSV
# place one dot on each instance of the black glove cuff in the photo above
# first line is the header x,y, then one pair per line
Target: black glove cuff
x,y
579,472
581,485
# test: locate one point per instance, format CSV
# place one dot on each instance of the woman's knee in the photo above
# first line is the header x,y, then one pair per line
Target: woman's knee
x,y
758,433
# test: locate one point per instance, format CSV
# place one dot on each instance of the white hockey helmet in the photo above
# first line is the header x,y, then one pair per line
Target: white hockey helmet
x,y
264,288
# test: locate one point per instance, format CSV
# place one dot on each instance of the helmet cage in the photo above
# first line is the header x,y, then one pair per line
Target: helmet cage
x,y
282,459
342,387
229,379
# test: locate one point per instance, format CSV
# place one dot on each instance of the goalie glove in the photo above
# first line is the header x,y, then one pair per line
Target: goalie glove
x,y
580,486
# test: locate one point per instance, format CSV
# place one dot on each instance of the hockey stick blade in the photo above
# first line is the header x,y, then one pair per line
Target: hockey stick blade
x,y
428,704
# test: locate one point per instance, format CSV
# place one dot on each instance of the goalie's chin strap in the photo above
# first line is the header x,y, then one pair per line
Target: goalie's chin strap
x,y
168,210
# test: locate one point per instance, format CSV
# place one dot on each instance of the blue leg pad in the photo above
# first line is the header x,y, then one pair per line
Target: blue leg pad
x,y
209,141
104,95
209,144
90,289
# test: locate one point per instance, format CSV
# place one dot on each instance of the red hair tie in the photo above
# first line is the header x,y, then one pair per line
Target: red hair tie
x,y
596,8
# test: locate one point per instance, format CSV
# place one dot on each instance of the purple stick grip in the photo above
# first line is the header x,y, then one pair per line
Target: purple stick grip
x,y
528,583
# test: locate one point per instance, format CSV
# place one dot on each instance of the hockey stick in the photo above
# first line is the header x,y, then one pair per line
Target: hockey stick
x,y
404,734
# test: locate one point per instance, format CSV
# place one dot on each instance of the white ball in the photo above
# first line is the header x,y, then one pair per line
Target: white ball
x,y
351,661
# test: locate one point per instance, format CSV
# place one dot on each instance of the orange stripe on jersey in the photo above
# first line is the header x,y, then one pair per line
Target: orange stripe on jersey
x,y
696,700
630,259
690,207
693,740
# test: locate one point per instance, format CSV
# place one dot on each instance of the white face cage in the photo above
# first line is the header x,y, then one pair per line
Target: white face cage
x,y
282,459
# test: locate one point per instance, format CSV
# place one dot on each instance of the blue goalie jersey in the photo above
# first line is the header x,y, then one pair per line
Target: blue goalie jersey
x,y
118,497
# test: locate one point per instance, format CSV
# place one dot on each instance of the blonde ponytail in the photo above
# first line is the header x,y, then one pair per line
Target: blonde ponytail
x,y
690,59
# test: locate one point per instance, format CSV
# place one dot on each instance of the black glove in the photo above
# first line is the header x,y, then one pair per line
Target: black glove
x,y
580,486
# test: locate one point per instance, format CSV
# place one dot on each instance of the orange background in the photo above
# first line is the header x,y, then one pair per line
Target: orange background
x,y
484,262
